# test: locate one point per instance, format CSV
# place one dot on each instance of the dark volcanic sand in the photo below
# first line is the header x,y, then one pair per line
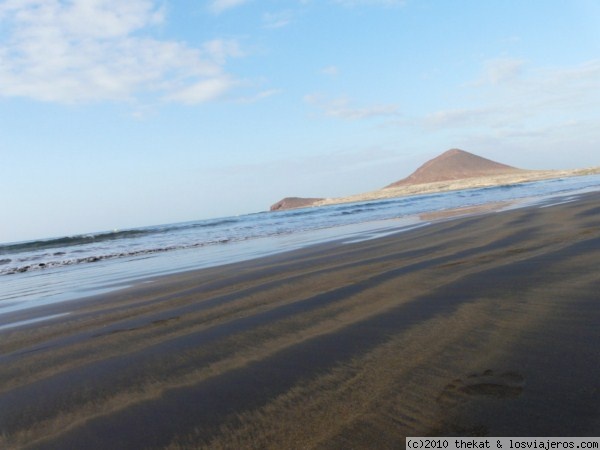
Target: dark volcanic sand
x,y
484,325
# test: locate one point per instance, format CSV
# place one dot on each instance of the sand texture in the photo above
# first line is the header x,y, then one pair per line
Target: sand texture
x,y
481,325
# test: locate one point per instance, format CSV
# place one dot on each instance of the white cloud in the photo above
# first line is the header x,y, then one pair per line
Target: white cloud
x,y
260,96
202,91
550,89
222,49
219,6
514,101
91,18
277,19
342,108
96,50
502,70
456,117
331,71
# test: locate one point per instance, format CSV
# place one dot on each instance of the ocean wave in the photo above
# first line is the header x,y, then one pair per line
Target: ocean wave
x,y
297,212
91,248
215,223
376,204
70,241
349,212
49,264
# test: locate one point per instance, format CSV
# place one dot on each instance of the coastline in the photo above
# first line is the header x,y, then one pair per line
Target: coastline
x,y
84,267
483,324
523,176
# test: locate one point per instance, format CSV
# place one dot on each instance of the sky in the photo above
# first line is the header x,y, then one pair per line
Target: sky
x,y
119,114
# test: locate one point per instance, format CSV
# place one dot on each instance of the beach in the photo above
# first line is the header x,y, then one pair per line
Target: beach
x,y
471,326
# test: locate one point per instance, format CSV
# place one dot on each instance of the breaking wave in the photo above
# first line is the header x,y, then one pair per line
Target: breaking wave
x,y
69,241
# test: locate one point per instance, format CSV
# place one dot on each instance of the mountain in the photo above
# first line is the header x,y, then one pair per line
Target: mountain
x,y
454,164
452,170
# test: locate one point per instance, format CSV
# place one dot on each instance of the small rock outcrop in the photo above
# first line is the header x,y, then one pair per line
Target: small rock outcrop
x,y
293,203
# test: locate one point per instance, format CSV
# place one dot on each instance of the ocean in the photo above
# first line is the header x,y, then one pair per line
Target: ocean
x,y
42,272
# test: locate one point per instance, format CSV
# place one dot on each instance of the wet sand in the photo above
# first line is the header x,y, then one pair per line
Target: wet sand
x,y
484,325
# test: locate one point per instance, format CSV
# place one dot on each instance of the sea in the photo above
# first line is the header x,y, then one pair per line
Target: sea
x,y
38,273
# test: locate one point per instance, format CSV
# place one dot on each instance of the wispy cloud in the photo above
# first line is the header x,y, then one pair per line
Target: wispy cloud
x,y
343,108
501,70
331,71
72,52
220,50
260,96
202,91
457,117
219,6
509,95
278,19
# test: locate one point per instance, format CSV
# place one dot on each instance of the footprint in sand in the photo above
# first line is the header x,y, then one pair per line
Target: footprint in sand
x,y
486,384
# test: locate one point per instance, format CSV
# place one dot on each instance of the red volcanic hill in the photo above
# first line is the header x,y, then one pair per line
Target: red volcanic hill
x,y
451,165
454,164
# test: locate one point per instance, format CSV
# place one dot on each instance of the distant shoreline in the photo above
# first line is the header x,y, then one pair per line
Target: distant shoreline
x,y
523,176
455,169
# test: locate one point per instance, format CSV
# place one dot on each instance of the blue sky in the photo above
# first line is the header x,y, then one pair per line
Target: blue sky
x,y
120,114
